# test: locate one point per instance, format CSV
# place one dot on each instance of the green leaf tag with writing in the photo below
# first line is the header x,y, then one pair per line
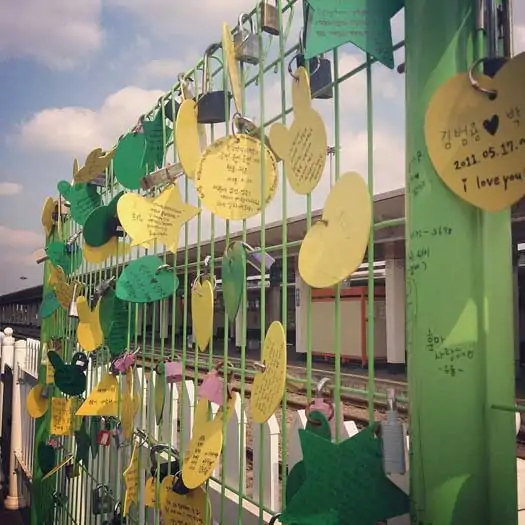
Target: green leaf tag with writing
x,y
233,275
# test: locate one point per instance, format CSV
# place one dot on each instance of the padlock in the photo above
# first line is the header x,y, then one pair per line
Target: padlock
x,y
246,42
212,387
72,470
172,370
168,468
213,107
118,436
320,69
178,485
103,437
270,18
101,500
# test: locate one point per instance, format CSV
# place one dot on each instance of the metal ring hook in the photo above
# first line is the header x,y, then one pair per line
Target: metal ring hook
x,y
491,93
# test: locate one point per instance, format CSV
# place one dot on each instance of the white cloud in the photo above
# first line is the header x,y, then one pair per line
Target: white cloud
x,y
76,131
166,68
56,33
14,238
10,188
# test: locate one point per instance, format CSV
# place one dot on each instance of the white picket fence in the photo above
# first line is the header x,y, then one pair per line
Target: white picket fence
x,y
23,358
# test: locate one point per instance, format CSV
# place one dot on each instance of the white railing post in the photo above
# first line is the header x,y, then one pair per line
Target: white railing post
x,y
6,358
14,499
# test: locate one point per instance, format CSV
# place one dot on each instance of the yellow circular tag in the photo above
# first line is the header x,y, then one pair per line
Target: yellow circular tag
x,y
36,405
232,66
268,386
202,312
476,142
303,147
228,178
193,508
334,247
187,137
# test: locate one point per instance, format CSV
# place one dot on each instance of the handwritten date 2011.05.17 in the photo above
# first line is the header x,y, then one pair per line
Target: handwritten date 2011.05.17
x,y
505,148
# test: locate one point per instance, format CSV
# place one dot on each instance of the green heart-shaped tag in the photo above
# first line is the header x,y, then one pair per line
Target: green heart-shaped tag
x,y
128,162
95,426
101,223
318,424
69,379
156,140
114,320
146,281
83,199
48,306
68,259
233,277
46,457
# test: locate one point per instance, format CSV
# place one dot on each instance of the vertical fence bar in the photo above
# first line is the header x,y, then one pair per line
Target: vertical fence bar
x,y
451,478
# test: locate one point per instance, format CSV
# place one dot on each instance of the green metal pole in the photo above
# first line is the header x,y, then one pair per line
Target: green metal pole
x,y
459,301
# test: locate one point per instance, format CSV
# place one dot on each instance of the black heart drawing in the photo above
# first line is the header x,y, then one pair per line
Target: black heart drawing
x,y
491,125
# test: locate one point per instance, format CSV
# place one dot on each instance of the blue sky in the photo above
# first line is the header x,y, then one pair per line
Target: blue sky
x,y
76,74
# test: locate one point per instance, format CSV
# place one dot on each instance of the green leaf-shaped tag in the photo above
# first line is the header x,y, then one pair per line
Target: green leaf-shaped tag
x,y
160,393
128,162
95,425
233,278
156,140
48,306
46,457
114,320
146,280
68,259
83,199
83,443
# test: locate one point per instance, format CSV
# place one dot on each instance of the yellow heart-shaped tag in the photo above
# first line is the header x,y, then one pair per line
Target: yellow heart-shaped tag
x,y
96,164
89,331
202,312
36,405
269,385
334,246
160,218
303,147
204,448
97,255
188,137
63,290
476,142
131,480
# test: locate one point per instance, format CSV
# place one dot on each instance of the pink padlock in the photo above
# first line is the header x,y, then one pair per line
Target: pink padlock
x,y
123,363
212,387
325,405
173,371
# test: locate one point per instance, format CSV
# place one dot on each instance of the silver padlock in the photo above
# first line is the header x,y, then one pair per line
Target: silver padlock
x,y
101,500
270,18
246,42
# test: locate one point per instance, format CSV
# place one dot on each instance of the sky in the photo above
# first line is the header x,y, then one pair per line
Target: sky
x,y
75,75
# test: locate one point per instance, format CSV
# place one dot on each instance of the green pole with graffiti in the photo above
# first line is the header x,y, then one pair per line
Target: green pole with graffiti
x,y
460,336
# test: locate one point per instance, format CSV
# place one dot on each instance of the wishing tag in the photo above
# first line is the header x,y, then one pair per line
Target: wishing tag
x,y
49,305
128,163
157,136
83,443
303,147
344,479
150,499
268,386
64,291
102,223
212,388
202,312
48,216
70,379
160,218
36,403
96,163
61,416
82,198
204,448
94,429
334,246
131,480
112,248
159,393
477,142
232,66
129,407
46,455
366,24
69,259
233,273
146,280
237,195
193,508
89,331
116,322
188,138
103,399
